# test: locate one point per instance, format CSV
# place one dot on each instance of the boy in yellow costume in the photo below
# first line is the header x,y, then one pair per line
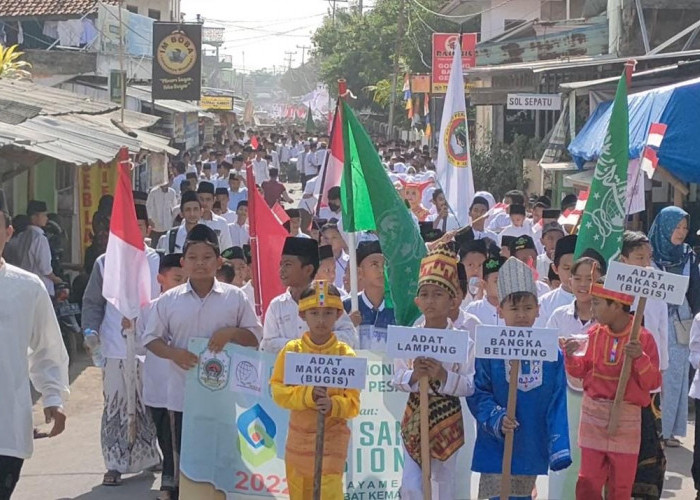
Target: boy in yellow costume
x,y
320,306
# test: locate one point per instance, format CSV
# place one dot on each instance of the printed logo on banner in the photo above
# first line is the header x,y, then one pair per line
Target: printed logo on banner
x,y
256,431
177,53
246,377
214,369
456,140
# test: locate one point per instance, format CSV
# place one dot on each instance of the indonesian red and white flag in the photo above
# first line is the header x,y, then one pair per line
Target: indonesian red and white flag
x,y
332,169
572,215
650,158
127,276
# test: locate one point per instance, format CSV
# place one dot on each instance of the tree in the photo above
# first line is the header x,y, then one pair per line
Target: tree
x,y
10,65
360,48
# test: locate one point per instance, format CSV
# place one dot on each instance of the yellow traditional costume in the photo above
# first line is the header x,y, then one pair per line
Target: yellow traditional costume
x,y
301,438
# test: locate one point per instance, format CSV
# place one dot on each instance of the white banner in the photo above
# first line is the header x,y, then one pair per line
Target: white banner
x,y
345,372
448,346
507,342
646,282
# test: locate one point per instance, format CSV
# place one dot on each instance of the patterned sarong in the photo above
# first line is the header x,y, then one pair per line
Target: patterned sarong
x,y
446,425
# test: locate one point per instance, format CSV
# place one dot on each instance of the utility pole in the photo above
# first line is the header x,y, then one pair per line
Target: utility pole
x,y
290,56
122,75
397,55
303,48
359,6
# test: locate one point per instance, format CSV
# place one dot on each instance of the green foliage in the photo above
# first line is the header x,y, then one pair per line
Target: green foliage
x,y
361,48
11,66
498,167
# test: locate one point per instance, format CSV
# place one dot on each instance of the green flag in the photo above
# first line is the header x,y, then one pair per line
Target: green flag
x,y
310,125
371,203
603,220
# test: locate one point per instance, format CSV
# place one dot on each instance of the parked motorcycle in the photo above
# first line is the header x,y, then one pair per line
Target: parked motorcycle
x,y
67,314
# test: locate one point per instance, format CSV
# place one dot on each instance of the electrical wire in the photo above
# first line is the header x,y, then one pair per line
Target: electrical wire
x,y
461,18
412,36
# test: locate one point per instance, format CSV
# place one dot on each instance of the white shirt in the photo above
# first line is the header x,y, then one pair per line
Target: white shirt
x,y
275,159
341,263
460,376
34,254
480,235
498,222
511,230
451,224
543,265
656,321
219,225
177,180
249,291
160,207
32,349
260,171
164,240
230,216
155,370
180,314
311,163
112,341
694,358
552,300
282,324
240,235
565,320
485,312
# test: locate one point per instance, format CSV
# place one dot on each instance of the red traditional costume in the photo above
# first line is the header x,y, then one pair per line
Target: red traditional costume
x,y
611,459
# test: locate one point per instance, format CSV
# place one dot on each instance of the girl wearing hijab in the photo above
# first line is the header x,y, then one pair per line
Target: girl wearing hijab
x,y
672,254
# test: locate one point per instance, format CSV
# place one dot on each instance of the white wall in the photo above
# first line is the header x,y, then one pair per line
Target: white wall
x,y
167,8
492,22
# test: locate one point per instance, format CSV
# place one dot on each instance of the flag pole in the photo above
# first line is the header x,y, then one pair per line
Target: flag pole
x,y
324,168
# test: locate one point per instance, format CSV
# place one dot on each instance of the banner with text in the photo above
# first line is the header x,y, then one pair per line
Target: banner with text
x,y
177,61
234,434
443,51
93,182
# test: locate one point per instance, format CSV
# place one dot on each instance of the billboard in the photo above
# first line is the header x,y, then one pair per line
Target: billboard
x,y
177,61
443,50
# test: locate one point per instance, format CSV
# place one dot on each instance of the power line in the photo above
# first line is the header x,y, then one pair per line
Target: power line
x,y
462,18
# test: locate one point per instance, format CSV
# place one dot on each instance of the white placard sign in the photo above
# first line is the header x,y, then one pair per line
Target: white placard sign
x,y
510,342
539,102
646,282
448,346
322,370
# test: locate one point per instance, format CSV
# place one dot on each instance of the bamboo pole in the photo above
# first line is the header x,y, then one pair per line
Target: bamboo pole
x,y
626,369
318,459
510,412
425,438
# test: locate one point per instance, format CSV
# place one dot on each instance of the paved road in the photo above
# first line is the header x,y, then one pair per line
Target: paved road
x,y
70,466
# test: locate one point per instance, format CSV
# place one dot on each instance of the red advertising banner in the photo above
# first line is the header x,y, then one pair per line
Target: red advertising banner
x,y
443,51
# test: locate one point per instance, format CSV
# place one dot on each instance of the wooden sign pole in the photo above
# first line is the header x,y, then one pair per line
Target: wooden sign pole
x,y
510,413
425,438
318,459
626,369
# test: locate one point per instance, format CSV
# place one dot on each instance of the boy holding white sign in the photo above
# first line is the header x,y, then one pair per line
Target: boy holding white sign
x,y
611,459
541,435
438,292
320,307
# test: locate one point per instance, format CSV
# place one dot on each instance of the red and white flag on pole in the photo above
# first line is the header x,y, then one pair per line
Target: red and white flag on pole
x,y
332,168
650,158
572,215
127,276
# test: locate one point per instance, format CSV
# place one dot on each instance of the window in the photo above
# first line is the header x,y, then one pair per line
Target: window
x,y
154,14
133,9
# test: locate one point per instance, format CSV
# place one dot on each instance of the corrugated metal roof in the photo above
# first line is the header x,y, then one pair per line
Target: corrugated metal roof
x,y
169,105
14,112
573,62
134,119
27,8
52,101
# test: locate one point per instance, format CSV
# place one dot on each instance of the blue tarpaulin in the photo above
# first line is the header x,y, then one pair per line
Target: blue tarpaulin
x,y
678,106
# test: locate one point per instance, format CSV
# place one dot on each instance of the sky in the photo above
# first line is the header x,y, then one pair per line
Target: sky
x,y
262,29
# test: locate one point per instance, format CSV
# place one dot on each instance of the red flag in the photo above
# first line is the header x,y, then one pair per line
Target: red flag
x,y
254,142
332,168
279,212
267,238
127,277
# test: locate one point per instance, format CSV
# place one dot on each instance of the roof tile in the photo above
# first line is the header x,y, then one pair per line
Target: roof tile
x,y
23,8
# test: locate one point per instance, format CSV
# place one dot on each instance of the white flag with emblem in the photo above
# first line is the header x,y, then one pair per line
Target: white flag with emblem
x,y
454,163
